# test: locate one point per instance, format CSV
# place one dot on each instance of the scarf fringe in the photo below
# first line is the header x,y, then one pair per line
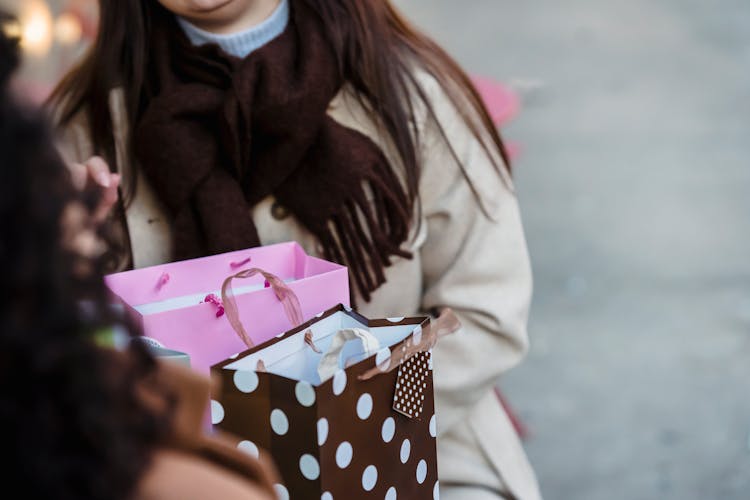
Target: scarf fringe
x,y
368,233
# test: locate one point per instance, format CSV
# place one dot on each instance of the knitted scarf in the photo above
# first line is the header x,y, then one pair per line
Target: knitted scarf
x,y
218,134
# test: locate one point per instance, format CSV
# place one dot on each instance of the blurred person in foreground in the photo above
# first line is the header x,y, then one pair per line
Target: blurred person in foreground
x,y
80,419
336,124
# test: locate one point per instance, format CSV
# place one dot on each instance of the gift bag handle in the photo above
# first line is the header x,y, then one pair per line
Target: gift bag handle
x,y
330,363
286,296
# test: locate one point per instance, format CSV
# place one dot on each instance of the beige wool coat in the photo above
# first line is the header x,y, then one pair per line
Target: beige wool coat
x,y
475,264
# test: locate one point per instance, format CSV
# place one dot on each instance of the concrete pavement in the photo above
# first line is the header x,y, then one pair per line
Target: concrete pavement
x,y
635,186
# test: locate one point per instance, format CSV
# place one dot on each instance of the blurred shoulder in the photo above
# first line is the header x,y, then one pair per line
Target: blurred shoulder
x,y
426,94
181,476
457,150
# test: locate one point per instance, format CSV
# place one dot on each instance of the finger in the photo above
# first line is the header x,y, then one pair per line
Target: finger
x,y
110,194
99,171
108,199
78,175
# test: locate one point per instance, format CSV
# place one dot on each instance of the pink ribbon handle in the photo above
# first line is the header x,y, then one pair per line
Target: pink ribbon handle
x,y
447,323
285,295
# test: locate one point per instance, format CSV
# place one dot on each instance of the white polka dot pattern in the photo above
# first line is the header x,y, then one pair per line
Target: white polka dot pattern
x,y
369,477
383,358
388,430
339,382
405,451
364,406
322,431
421,471
436,491
391,494
344,455
249,448
308,466
245,381
281,492
217,412
411,384
305,394
326,496
279,422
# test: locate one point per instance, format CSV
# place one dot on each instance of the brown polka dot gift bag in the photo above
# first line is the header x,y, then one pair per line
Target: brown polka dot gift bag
x,y
342,404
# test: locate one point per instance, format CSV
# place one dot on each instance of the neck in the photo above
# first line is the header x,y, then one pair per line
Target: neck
x,y
239,16
241,43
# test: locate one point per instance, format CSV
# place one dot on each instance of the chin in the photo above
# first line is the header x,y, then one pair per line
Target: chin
x,y
207,6
212,15
204,9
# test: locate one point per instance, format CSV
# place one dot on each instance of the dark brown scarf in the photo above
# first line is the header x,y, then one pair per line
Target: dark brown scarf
x,y
219,134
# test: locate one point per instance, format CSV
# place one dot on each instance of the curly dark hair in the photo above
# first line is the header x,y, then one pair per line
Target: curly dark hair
x,y
71,420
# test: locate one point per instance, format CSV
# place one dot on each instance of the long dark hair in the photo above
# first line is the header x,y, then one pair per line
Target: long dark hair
x,y
377,51
71,419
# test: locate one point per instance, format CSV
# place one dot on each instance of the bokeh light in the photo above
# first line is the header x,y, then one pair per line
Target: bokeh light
x,y
36,27
68,29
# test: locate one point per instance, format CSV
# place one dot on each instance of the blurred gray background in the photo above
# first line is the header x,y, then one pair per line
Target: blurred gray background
x,y
634,179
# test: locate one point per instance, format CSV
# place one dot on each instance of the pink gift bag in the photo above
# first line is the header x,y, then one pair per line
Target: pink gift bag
x,y
178,304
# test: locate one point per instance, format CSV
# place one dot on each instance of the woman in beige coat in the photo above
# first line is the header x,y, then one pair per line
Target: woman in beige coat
x,y
335,124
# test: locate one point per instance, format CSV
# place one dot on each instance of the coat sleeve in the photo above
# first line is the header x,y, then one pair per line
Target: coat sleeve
x,y
474,262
